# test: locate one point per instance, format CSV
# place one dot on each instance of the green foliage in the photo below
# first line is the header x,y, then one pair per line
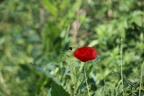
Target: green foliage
x,y
34,40
57,90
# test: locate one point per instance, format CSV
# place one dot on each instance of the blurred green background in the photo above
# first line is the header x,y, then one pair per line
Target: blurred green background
x,y
39,32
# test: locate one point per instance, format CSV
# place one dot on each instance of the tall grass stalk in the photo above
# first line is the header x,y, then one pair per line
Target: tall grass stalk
x,y
141,74
65,39
103,90
121,55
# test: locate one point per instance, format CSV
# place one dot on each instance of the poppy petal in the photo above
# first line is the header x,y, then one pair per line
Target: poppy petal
x,y
85,54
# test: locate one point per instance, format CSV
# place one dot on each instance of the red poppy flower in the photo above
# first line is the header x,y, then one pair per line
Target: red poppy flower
x,y
85,54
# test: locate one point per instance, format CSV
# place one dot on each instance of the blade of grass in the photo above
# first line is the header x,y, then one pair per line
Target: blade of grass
x,y
47,74
121,54
66,36
141,74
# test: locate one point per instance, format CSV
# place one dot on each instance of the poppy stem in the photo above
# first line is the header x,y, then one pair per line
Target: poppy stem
x,y
86,78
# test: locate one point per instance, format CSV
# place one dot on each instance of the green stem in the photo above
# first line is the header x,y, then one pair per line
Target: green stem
x,y
140,88
86,73
121,54
86,79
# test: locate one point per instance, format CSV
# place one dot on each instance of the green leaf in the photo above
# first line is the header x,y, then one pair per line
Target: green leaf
x,y
142,29
93,43
58,90
48,74
50,7
98,58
